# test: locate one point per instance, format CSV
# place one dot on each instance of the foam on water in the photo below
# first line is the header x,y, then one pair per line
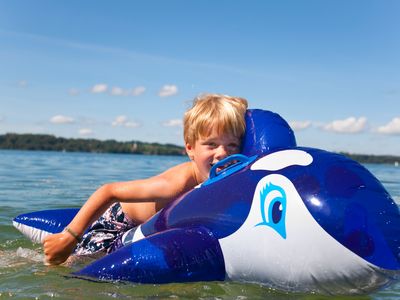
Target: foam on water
x,y
30,254
12,258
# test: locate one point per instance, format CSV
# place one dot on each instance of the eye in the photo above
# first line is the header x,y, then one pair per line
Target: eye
x,y
210,144
277,212
233,146
273,208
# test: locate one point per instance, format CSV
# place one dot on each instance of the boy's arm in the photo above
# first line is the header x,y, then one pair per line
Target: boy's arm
x,y
163,187
58,247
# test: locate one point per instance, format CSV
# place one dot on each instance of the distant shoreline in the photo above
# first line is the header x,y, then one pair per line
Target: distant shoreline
x,y
373,159
46,142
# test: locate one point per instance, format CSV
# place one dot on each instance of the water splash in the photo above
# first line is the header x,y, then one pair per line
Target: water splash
x,y
12,258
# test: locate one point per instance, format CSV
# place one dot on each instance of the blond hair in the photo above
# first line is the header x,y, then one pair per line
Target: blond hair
x,y
225,113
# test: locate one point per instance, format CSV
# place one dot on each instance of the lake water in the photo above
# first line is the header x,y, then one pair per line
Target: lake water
x,y
32,181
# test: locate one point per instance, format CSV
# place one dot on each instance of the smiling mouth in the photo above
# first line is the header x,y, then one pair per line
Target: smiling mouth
x,y
223,167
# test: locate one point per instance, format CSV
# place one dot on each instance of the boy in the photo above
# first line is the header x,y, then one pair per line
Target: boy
x,y
213,129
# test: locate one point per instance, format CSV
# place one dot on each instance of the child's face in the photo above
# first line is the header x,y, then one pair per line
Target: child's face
x,y
209,150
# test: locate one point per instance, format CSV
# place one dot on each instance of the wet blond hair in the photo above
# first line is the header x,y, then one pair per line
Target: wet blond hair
x,y
225,113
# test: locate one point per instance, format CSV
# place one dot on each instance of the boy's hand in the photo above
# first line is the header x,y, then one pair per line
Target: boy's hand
x,y
58,247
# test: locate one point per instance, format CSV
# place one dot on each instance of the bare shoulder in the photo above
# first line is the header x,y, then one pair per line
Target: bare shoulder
x,y
165,186
173,182
158,191
180,174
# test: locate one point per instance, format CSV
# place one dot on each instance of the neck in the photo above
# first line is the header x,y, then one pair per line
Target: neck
x,y
195,174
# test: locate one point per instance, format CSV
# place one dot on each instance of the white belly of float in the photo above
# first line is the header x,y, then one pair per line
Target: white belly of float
x,y
308,259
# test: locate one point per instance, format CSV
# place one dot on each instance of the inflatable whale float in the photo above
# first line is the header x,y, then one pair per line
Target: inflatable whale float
x,y
291,218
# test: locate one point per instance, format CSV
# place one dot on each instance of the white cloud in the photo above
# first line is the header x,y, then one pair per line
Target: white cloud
x,y
124,121
73,92
131,124
120,120
393,127
85,131
99,88
138,91
299,125
117,91
168,90
102,88
349,125
173,123
23,83
60,119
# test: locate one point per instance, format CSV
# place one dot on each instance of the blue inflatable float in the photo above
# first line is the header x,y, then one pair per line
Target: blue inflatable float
x,y
291,218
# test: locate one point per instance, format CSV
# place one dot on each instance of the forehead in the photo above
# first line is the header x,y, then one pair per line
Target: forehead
x,y
216,133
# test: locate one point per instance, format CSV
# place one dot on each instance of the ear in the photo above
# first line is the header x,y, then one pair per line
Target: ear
x,y
189,150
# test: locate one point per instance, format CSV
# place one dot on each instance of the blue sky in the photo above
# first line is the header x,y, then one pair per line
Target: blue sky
x,y
127,70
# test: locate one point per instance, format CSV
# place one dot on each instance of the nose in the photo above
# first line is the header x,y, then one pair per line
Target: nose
x,y
221,152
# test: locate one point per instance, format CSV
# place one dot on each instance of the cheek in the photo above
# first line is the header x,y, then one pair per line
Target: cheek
x,y
205,161
204,153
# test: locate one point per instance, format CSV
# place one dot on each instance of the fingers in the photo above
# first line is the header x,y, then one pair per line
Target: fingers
x,y
57,248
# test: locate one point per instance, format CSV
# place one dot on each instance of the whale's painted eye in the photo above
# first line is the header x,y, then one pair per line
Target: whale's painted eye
x,y
273,208
276,212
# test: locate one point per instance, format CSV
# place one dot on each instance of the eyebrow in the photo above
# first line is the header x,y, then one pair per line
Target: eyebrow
x,y
282,159
234,139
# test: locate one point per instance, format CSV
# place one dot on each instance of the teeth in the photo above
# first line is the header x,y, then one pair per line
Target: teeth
x,y
224,166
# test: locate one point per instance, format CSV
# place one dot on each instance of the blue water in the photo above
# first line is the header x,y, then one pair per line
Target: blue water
x,y
43,180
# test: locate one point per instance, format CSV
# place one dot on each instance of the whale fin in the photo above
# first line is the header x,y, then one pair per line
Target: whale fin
x,y
174,255
37,225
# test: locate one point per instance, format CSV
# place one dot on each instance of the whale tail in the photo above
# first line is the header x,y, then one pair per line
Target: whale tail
x,y
175,255
37,225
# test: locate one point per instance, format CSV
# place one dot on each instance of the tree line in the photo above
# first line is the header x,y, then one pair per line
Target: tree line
x,y
47,142
373,159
